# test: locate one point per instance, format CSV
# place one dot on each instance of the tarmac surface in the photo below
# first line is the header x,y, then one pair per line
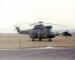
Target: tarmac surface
x,y
38,54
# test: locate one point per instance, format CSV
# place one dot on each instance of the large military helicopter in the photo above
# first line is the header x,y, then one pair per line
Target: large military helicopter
x,y
40,31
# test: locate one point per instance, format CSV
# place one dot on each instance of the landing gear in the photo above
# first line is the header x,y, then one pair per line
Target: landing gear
x,y
40,39
33,39
50,39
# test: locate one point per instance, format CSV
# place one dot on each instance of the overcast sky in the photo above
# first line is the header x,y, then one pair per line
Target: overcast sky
x,y
28,11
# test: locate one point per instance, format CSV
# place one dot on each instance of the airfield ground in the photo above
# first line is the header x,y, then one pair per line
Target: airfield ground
x,y
24,41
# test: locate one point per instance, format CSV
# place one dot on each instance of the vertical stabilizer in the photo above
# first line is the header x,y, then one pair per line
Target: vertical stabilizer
x,y
18,30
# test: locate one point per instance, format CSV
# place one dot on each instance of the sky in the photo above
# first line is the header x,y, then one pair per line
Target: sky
x,y
25,12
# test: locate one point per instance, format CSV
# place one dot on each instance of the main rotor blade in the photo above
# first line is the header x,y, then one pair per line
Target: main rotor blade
x,y
32,24
57,24
40,22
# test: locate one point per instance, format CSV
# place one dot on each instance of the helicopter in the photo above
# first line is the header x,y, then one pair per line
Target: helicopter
x,y
40,31
67,33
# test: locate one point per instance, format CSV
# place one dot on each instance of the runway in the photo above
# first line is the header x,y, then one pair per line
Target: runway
x,y
38,54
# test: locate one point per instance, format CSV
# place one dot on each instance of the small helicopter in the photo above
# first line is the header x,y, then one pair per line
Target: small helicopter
x,y
66,33
40,31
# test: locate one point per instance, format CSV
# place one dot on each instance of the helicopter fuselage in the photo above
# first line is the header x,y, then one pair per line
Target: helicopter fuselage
x,y
42,34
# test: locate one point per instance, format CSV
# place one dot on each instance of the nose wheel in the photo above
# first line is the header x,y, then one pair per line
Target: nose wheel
x,y
50,39
40,39
33,39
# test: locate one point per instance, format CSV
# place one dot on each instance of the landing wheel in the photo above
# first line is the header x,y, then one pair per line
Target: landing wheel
x,y
50,39
33,39
40,39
